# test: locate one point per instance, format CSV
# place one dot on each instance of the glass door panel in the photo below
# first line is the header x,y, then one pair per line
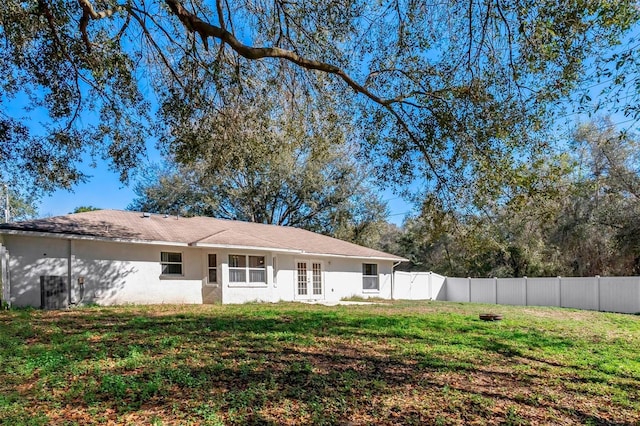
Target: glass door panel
x,y
309,283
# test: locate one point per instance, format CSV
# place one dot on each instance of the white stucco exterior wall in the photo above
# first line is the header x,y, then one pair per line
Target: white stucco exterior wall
x,y
29,258
341,278
113,273
122,272
344,279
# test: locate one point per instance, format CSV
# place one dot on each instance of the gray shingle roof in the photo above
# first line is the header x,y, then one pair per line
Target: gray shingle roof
x,y
195,231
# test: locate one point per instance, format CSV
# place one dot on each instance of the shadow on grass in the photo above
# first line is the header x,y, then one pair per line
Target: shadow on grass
x,y
264,366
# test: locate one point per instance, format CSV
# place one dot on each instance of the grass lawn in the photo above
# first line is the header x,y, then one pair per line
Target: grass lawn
x,y
399,363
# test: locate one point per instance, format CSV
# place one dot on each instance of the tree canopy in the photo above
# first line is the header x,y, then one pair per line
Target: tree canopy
x,y
450,92
270,158
84,209
20,206
578,218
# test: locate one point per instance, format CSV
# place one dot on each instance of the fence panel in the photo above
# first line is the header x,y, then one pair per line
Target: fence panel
x,y
579,293
512,291
620,294
418,286
411,285
401,285
612,294
458,289
483,290
438,287
543,291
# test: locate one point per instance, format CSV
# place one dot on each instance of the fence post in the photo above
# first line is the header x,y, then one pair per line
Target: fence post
x,y
495,287
469,278
598,289
526,291
559,291
446,288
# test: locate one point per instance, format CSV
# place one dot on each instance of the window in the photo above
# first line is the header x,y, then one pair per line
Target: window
x,y
242,267
213,269
257,271
171,263
237,268
370,276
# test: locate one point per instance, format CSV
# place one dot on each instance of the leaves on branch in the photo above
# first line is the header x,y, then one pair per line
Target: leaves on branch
x,y
441,92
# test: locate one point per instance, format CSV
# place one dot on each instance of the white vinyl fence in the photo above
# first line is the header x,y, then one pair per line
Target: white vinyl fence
x,y
418,286
610,294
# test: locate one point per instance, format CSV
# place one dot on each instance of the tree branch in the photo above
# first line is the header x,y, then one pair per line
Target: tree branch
x,y
164,59
196,25
88,12
88,8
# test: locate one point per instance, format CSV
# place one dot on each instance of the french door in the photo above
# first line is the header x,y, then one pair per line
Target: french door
x,y
309,283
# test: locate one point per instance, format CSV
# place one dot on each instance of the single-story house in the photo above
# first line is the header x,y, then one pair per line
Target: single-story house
x,y
117,257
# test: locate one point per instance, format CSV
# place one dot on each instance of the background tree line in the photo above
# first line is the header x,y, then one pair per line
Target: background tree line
x,y
573,213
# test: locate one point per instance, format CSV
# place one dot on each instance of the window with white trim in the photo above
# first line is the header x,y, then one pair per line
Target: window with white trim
x,y
171,263
247,269
212,266
370,280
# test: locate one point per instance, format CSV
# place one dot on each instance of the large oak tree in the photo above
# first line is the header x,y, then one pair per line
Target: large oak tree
x,y
268,155
453,92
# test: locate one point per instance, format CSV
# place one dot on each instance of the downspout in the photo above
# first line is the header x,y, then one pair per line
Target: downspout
x,y
4,276
69,267
393,278
8,275
80,281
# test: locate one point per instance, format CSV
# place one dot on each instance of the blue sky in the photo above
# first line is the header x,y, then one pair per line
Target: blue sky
x,y
102,190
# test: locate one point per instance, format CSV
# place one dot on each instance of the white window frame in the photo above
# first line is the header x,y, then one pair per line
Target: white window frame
x,y
376,276
214,267
167,262
247,271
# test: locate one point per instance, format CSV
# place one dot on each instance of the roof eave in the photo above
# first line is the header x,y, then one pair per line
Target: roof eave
x,y
295,251
350,256
69,236
244,247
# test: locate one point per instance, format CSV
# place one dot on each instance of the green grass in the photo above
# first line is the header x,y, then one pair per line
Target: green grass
x,y
400,363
